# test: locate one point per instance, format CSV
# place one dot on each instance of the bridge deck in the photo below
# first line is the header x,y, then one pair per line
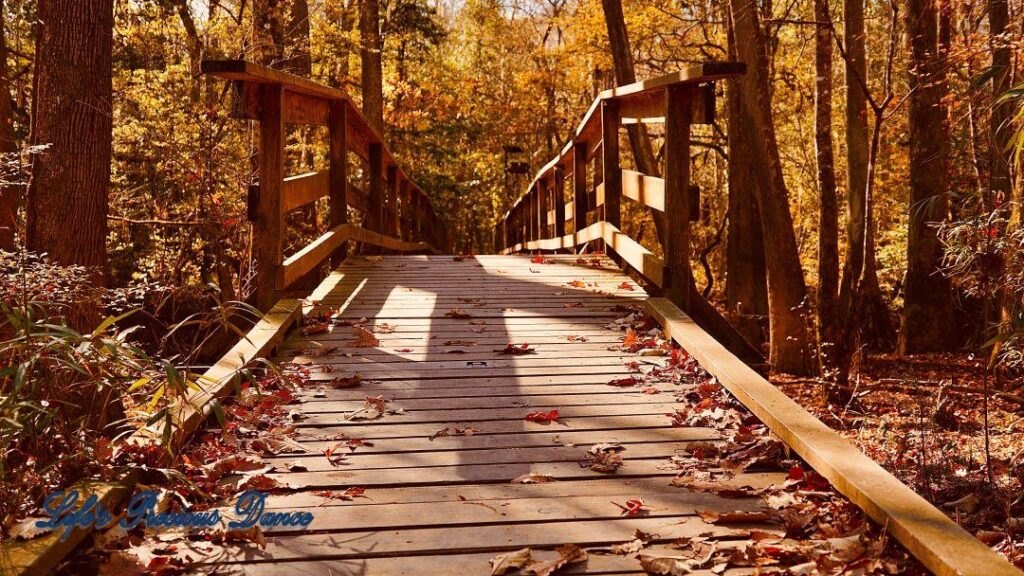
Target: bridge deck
x,y
448,505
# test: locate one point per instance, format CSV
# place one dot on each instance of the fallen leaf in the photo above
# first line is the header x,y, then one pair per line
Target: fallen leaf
x,y
634,507
458,313
315,328
27,529
516,349
254,535
550,416
363,338
348,495
733,517
603,458
533,478
346,381
505,563
625,382
567,554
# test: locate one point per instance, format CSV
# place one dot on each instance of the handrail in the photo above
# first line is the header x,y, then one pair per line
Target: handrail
x,y
536,221
398,215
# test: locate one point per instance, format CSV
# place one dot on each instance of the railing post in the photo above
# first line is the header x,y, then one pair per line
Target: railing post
x,y
405,216
542,208
559,191
391,214
610,162
678,103
530,211
337,187
420,215
269,222
375,194
579,189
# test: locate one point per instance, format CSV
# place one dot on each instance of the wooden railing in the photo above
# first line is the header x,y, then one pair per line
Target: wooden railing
x,y
537,220
397,215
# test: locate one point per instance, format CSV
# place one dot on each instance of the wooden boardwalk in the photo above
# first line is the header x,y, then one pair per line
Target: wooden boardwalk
x,y
448,505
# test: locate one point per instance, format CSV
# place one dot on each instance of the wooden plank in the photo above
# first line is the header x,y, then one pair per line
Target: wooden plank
x,y
575,508
259,74
643,189
485,391
362,461
302,189
485,415
677,437
312,255
603,486
395,428
462,539
939,543
432,565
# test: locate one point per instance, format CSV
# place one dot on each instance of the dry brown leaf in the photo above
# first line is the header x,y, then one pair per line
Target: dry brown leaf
x,y
458,314
733,517
363,338
533,478
346,381
567,554
668,565
254,535
505,563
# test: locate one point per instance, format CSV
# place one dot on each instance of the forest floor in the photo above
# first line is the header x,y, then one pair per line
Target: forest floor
x,y
924,419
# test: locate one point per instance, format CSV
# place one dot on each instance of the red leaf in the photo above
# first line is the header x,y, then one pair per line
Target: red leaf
x,y
543,416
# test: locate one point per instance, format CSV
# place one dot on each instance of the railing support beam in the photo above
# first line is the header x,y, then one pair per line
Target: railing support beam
x,y
269,222
337,187
543,192
579,189
678,102
375,193
559,192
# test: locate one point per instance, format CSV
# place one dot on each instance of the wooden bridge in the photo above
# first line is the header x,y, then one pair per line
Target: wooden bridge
x,y
501,380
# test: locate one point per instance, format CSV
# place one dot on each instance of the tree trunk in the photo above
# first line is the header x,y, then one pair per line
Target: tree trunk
x,y
370,49
859,231
10,196
269,19
927,317
625,73
999,127
346,21
71,112
790,345
298,59
746,283
828,211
